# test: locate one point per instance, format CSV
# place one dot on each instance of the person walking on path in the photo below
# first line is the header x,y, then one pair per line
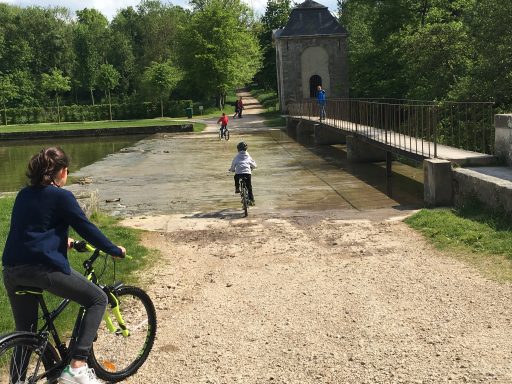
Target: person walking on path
x,y
237,110
240,107
320,96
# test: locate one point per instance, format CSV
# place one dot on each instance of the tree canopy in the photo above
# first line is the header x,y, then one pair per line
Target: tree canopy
x,y
430,49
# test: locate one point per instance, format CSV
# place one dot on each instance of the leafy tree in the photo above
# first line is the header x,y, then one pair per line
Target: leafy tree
x,y
163,77
107,79
219,50
55,82
7,92
490,75
90,39
276,16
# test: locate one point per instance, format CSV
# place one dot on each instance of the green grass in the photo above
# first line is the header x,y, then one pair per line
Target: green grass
x,y
97,125
125,269
267,98
270,101
479,236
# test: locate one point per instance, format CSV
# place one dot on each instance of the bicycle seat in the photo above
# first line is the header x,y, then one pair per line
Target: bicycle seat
x,y
26,290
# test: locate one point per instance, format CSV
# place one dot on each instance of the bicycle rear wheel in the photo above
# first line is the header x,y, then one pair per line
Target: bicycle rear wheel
x,y
244,194
26,358
115,356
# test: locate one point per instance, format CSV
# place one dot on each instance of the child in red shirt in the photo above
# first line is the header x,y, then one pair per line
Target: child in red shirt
x,y
223,120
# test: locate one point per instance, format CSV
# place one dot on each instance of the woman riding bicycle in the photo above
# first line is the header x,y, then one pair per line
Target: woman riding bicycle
x,y
35,255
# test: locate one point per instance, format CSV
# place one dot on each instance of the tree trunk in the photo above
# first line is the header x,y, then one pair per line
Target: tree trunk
x,y
109,105
162,106
92,96
5,114
58,109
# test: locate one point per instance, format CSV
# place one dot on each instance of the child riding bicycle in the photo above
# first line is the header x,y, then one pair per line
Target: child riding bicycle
x,y
242,165
223,120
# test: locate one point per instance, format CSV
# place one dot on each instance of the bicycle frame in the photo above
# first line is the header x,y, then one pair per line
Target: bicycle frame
x,y
48,328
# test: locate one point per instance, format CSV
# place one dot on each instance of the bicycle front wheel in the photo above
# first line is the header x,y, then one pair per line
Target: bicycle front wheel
x,y
25,358
120,352
226,135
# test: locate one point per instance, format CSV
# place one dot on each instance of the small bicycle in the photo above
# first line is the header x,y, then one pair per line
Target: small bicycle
x,y
122,345
224,133
244,195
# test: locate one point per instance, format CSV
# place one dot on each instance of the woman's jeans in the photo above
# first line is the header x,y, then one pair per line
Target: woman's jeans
x,y
74,287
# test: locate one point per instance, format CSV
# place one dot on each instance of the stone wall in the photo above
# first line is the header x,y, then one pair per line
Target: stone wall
x,y
495,193
296,66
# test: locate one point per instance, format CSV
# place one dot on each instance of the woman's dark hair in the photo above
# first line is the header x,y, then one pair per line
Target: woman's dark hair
x,y
44,166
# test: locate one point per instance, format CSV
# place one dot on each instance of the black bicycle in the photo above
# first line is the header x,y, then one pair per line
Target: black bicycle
x,y
244,194
122,345
224,133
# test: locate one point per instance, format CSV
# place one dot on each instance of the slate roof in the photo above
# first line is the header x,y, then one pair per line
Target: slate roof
x,y
311,19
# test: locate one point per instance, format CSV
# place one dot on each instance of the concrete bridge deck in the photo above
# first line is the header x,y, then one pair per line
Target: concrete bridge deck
x,y
396,142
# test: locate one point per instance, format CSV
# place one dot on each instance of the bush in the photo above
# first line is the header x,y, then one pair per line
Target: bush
x,y
77,113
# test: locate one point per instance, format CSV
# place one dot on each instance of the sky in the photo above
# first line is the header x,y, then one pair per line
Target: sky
x,y
109,8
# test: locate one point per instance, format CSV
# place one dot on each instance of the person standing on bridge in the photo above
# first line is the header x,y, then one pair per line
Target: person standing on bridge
x,y
320,96
240,107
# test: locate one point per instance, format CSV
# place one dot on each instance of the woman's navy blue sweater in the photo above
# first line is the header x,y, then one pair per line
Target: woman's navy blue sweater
x,y
40,221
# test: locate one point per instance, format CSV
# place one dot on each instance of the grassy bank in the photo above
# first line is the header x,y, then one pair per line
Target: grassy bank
x,y
125,269
98,124
473,234
270,101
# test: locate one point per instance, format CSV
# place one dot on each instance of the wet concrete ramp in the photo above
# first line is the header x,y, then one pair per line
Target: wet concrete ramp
x,y
188,174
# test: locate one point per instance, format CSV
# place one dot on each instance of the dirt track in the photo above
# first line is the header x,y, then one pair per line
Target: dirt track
x,y
294,293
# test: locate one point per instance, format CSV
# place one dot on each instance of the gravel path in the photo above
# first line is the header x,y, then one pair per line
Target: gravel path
x,y
317,298
305,290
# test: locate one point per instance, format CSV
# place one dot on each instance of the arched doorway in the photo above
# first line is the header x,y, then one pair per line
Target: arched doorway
x,y
314,82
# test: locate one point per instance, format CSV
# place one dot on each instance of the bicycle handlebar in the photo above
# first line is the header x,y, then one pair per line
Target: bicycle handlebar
x,y
83,246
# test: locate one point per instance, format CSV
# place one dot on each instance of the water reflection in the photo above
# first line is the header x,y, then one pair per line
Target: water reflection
x,y
14,155
406,180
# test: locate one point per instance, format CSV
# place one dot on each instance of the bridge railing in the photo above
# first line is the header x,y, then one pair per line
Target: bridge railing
x,y
412,125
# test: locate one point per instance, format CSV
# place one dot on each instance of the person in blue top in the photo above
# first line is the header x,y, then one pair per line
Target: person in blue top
x,y
320,96
35,255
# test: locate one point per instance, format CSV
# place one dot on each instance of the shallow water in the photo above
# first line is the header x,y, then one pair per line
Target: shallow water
x,y
15,155
188,174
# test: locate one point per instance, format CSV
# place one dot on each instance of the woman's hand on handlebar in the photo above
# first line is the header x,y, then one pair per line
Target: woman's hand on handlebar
x,y
123,250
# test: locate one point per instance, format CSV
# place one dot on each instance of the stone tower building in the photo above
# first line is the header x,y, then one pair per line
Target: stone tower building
x,y
311,50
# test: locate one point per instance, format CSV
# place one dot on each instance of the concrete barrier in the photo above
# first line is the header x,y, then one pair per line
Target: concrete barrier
x,y
327,135
359,151
437,182
503,137
493,192
97,132
291,126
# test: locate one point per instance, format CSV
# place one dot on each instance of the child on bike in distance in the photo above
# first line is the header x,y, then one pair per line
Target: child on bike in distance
x,y
242,165
223,120
35,255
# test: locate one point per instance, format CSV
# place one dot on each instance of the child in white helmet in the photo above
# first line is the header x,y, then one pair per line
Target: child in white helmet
x,y
242,165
